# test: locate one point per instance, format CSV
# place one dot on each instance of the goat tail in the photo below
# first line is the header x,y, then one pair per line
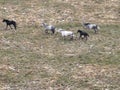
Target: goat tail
x,y
53,30
15,25
88,35
98,27
72,36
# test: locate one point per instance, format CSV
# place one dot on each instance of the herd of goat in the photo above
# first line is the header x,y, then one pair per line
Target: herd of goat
x,y
64,33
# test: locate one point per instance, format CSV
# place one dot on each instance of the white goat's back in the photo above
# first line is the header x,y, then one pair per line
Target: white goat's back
x,y
66,33
90,26
50,27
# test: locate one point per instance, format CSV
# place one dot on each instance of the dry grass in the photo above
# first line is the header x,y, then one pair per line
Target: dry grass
x,y
31,59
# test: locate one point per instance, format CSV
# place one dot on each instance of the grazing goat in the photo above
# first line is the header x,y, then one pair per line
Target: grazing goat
x,y
48,27
9,23
91,26
66,33
83,34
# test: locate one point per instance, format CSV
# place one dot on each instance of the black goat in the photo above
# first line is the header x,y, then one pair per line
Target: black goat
x,y
83,34
9,23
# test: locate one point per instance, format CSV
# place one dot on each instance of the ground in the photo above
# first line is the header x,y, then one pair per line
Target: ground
x,y
30,59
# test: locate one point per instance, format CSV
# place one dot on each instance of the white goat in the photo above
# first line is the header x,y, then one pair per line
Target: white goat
x,y
66,33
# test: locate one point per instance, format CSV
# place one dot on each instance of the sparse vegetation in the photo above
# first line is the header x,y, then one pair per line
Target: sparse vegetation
x,y
32,59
